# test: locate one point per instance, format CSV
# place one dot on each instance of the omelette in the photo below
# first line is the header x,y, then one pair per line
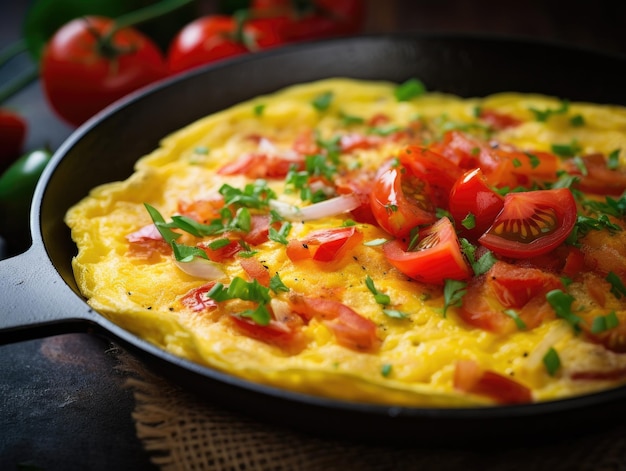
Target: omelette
x,y
376,242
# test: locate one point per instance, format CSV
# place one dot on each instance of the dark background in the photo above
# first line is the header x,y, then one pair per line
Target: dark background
x,y
62,402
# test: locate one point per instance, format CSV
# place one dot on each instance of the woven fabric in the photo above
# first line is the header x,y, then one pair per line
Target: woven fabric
x,y
181,432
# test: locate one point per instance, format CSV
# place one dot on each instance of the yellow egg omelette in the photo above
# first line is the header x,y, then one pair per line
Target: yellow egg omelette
x,y
376,242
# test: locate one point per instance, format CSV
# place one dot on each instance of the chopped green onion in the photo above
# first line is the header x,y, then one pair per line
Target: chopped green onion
x,y
603,323
412,88
551,361
562,304
322,101
521,325
385,370
617,286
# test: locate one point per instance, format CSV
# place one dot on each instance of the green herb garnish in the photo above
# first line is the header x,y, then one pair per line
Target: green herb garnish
x,y
412,88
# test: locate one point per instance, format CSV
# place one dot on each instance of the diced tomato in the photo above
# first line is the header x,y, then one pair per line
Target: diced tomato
x,y
197,300
436,258
259,230
401,202
469,377
203,211
507,286
284,333
305,143
147,244
354,141
599,178
439,172
498,120
220,254
255,270
471,195
360,185
325,245
515,286
532,223
261,165
350,328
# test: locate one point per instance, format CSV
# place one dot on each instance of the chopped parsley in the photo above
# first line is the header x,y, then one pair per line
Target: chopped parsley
x,y
544,115
323,101
254,195
483,264
617,286
453,292
551,361
562,304
280,235
412,88
246,291
277,285
566,150
383,299
469,221
259,109
603,323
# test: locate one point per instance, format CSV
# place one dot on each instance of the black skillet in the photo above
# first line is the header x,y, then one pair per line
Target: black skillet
x,y
40,297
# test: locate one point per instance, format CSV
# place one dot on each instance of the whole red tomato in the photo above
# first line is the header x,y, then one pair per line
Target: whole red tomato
x,y
12,135
83,70
313,19
216,37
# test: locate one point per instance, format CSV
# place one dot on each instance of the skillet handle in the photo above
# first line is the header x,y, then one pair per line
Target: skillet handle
x,y
31,291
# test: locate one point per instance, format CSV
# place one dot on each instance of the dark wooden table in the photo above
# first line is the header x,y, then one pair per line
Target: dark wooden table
x,y
62,402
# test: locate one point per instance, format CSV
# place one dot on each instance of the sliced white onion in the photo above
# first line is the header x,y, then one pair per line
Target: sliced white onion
x,y
332,207
201,268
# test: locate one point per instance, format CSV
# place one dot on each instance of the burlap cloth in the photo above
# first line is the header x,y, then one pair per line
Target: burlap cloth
x,y
181,432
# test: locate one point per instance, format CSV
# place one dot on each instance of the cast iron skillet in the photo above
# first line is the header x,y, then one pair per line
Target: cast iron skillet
x,y
40,297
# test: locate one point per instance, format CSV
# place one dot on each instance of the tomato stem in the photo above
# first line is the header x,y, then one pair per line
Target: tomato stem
x,y
12,50
145,14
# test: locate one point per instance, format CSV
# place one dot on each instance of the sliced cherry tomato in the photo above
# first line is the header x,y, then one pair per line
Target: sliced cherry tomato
x,y
83,70
471,195
470,377
532,223
401,202
197,300
216,37
516,286
325,245
436,258
598,178
350,328
12,134
433,168
360,184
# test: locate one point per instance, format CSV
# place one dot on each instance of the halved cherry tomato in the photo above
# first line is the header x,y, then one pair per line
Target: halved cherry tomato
x,y
599,178
472,195
358,183
350,328
470,377
324,245
532,223
82,71
401,202
436,258
439,172
215,37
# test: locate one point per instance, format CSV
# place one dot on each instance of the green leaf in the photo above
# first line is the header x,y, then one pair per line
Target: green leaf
x,y
613,160
260,315
160,224
469,221
566,150
412,88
